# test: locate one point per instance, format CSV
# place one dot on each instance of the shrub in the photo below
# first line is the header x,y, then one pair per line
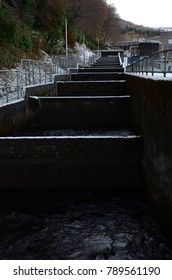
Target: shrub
x,y
8,26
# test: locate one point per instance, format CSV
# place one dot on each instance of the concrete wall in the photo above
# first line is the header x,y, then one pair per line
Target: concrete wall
x,y
152,116
61,112
91,88
70,162
165,36
46,89
41,90
15,115
12,117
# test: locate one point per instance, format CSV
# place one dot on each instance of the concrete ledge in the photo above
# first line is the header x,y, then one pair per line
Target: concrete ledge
x,y
101,69
97,76
94,88
64,77
101,64
41,90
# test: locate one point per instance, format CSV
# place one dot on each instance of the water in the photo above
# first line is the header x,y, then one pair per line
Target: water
x,y
79,225
124,132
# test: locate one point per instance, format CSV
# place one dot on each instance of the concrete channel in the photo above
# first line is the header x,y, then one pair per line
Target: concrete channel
x,y
72,181
77,161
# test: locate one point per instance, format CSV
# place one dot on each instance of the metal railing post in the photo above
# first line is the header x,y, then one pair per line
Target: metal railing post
x,y
152,63
18,85
165,64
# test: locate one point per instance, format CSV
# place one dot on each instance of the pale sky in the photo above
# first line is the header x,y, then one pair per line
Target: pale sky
x,y
151,13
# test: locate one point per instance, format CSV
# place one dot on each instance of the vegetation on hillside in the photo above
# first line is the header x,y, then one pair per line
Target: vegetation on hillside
x,y
26,26
30,25
130,31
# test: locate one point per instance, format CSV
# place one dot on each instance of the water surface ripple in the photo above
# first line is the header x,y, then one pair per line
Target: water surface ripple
x,y
85,226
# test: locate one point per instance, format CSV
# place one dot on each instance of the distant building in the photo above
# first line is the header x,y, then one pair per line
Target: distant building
x,y
147,48
166,38
111,52
135,50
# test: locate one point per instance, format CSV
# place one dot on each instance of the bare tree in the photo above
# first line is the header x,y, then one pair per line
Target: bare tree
x,y
111,28
86,14
94,17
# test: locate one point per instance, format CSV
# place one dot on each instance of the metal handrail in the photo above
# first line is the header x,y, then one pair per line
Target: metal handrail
x,y
159,62
30,72
10,85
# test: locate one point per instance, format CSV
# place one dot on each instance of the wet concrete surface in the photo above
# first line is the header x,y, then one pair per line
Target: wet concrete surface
x,y
79,225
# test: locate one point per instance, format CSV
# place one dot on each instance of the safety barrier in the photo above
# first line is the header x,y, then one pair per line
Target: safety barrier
x,y
31,72
158,63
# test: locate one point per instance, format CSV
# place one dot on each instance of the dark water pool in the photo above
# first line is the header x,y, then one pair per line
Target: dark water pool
x,y
77,225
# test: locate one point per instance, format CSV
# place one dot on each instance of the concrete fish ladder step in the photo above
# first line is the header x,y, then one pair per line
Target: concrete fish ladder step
x,y
102,64
101,69
104,76
108,60
71,162
92,88
80,111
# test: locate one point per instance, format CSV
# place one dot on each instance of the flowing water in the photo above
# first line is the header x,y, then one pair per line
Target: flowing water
x,y
79,225
121,132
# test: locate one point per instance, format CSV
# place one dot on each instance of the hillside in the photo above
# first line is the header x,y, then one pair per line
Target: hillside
x,y
130,31
26,27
